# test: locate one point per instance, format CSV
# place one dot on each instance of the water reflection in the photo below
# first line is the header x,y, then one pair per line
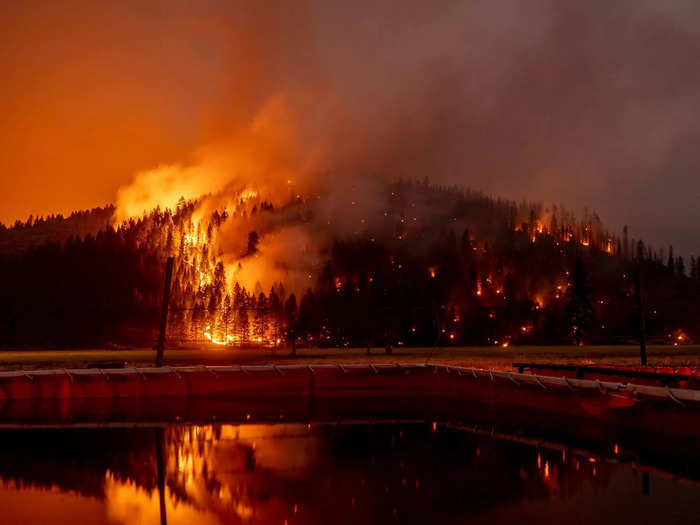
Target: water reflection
x,y
298,473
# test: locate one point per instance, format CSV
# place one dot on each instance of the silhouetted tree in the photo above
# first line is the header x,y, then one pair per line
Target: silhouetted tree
x,y
260,320
252,243
671,261
290,316
680,266
579,310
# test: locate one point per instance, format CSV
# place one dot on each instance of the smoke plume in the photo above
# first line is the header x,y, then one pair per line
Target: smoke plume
x,y
581,104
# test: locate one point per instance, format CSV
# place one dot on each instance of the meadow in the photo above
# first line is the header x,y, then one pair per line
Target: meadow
x,y
475,356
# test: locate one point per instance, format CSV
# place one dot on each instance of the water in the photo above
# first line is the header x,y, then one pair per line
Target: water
x,y
325,473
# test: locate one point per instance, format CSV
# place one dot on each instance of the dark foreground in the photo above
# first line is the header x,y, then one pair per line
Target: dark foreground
x,y
350,459
354,472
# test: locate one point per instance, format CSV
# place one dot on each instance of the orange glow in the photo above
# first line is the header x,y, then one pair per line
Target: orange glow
x,y
227,340
196,491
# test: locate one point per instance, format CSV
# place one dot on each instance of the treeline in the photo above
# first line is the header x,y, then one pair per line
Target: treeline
x,y
35,231
84,292
423,265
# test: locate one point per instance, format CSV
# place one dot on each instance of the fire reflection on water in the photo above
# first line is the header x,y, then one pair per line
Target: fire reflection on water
x,y
298,473
128,503
214,475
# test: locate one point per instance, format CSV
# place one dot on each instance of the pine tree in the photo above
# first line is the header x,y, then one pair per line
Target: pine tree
x,y
466,244
252,243
275,317
260,321
680,266
290,318
579,310
243,326
693,268
226,316
671,264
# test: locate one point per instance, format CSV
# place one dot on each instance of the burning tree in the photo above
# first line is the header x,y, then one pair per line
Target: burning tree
x,y
392,272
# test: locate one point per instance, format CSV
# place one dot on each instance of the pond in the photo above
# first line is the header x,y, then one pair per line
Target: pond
x,y
359,472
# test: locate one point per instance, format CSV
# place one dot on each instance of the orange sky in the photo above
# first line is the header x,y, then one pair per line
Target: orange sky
x,y
94,91
585,104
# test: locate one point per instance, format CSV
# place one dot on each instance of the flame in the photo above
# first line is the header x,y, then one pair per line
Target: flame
x,y
227,340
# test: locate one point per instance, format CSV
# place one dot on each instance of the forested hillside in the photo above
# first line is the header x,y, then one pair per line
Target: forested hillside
x,y
414,264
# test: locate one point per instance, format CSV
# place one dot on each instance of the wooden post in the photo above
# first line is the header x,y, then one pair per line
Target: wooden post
x,y
642,318
164,311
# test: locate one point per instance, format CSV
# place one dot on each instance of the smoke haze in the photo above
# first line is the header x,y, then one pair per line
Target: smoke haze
x,y
586,104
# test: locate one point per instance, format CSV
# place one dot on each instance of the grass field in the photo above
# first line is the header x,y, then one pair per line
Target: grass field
x,y
484,357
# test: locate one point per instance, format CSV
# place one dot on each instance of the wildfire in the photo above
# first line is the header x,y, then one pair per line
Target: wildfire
x,y
679,337
248,194
204,246
228,339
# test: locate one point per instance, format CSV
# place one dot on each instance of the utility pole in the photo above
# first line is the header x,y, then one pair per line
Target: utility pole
x,y
642,317
164,311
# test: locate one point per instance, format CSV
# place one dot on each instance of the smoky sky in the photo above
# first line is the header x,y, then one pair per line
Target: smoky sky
x,y
587,104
